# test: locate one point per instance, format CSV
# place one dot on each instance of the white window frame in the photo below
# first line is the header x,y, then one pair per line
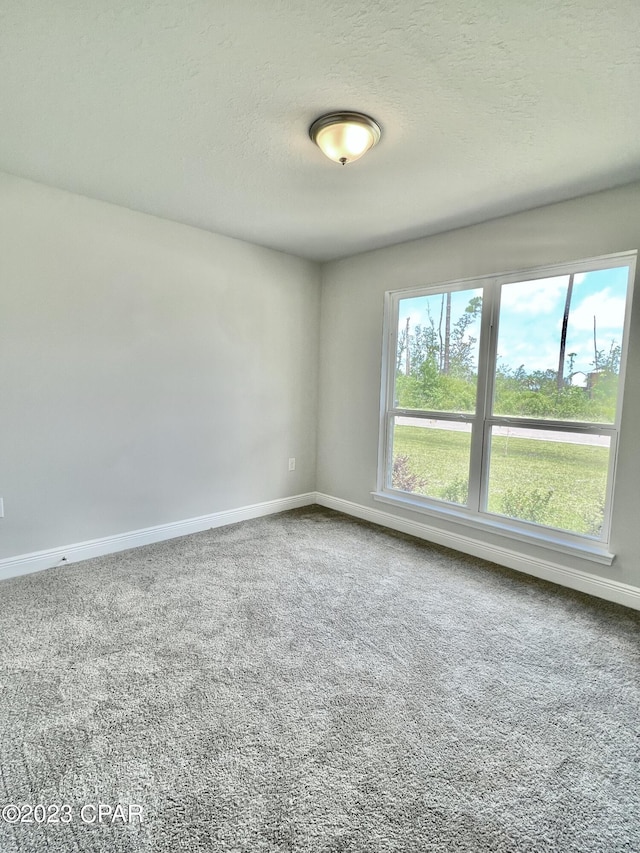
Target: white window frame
x,y
473,515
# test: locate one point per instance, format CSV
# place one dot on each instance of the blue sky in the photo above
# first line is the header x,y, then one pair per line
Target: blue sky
x,y
531,318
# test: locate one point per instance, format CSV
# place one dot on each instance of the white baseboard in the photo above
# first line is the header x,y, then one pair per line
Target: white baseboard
x,y
26,563
610,590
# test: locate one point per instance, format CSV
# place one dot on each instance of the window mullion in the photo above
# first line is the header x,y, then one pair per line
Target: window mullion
x,y
486,368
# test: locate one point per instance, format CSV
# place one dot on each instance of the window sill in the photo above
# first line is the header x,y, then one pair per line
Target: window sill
x,y
597,552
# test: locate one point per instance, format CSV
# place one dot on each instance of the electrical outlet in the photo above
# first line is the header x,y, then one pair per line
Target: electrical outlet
x,y
292,463
1,507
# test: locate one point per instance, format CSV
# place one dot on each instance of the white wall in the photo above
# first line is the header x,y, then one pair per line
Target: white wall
x,y
351,345
152,372
149,372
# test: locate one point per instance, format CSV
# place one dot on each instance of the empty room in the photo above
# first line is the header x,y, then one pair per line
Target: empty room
x,y
319,405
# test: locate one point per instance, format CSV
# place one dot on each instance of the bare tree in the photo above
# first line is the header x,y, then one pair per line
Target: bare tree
x,y
447,334
440,364
408,355
563,336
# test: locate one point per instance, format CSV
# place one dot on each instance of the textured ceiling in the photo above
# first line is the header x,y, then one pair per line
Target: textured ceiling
x,y
198,110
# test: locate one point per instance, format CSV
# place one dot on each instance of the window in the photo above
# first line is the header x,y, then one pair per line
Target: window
x,y
502,400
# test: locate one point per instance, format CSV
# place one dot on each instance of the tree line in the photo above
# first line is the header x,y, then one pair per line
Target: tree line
x,y
436,370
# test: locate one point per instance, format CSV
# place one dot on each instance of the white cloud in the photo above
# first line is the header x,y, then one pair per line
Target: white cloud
x,y
542,357
608,311
541,296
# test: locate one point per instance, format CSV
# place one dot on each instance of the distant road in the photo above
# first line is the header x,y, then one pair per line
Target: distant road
x,y
515,432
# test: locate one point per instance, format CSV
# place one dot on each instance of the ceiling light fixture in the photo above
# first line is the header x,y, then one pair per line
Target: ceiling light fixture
x,y
345,137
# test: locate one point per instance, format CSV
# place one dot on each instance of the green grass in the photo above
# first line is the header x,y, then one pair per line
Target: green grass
x,y
554,483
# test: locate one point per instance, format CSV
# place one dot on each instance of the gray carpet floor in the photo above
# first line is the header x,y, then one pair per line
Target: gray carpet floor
x,y
308,682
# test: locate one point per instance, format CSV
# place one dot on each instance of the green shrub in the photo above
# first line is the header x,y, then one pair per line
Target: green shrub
x,y
593,521
527,504
457,491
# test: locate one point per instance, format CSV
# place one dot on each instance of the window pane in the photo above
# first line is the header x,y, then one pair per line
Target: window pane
x,y
557,479
431,458
559,346
437,352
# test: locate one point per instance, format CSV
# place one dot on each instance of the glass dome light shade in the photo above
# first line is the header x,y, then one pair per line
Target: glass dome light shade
x,y
344,137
